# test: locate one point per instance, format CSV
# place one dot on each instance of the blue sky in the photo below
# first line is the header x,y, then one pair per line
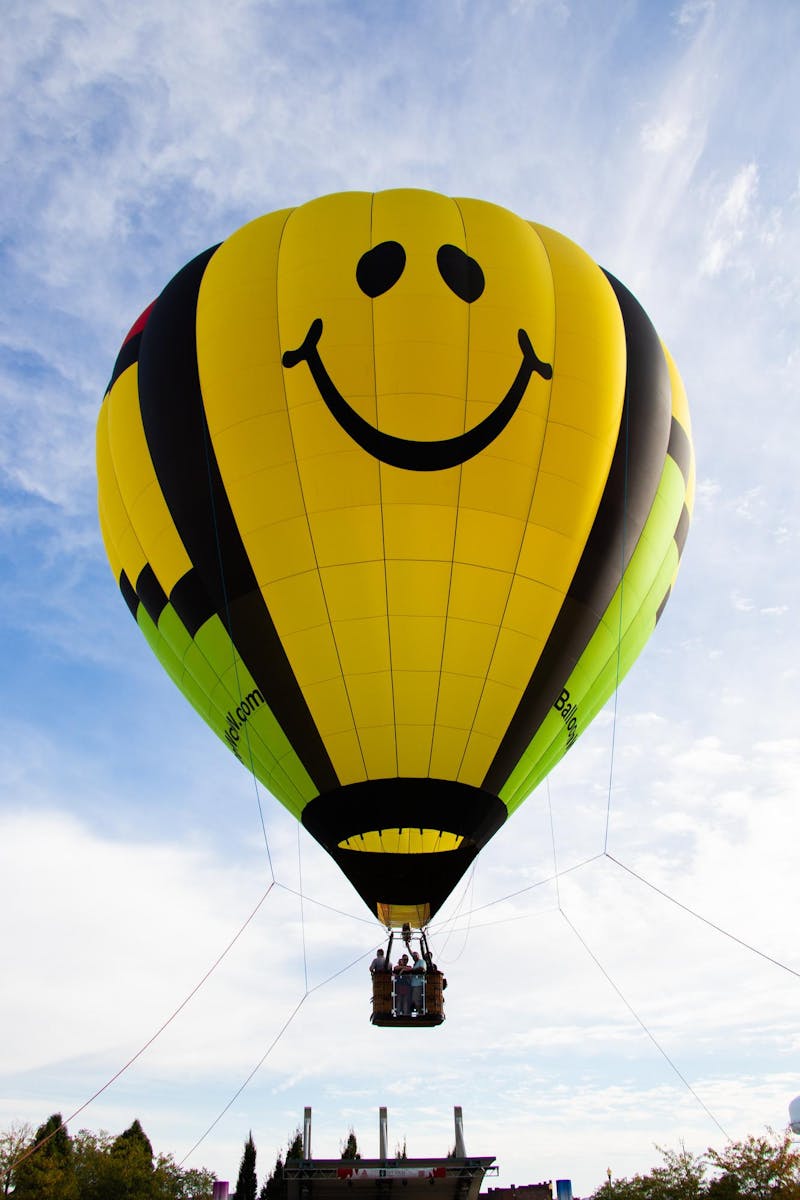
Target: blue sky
x,y
661,137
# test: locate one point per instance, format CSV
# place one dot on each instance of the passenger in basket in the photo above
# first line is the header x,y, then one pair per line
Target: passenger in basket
x,y
402,987
417,979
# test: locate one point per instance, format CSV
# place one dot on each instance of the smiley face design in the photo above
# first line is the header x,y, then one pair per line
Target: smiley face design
x,y
378,270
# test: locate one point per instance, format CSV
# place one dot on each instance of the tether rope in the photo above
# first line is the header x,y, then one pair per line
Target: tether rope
x,y
641,1023
308,992
705,920
38,1145
302,911
660,891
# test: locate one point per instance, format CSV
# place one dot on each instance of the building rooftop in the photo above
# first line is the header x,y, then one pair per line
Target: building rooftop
x,y
406,1179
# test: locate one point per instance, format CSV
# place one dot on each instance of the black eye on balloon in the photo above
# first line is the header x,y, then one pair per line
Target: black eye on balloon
x,y
461,273
380,268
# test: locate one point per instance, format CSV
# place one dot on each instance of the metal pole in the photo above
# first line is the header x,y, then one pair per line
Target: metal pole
x,y
459,1119
383,1133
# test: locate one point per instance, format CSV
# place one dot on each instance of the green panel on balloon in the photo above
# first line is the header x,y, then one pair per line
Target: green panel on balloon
x,y
616,643
248,725
223,711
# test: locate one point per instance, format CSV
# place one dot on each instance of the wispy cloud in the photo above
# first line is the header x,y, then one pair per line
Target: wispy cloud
x,y
729,224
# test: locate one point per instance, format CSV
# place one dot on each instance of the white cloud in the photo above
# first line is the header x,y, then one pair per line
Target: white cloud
x,y
729,224
666,135
692,11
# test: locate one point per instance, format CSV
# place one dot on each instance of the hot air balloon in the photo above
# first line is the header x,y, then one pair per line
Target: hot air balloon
x,y
396,487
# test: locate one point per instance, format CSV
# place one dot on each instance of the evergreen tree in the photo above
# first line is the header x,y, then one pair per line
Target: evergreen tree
x,y
295,1146
274,1186
134,1138
350,1152
247,1183
49,1173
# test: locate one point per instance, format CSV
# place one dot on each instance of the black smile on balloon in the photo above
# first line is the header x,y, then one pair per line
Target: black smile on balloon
x,y
377,271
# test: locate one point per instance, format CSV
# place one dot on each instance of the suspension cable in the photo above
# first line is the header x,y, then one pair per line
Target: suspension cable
x,y
468,891
321,904
532,886
526,916
553,840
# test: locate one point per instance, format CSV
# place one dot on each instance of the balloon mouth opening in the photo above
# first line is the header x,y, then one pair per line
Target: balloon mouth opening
x,y
394,916
403,841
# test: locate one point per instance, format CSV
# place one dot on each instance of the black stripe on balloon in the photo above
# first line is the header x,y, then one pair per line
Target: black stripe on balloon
x,y
151,593
191,602
129,594
682,530
680,448
626,502
127,356
189,477
663,604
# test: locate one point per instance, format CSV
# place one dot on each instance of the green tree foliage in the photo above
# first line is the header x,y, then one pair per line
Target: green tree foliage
x,y
295,1146
120,1168
274,1186
48,1173
350,1149
247,1183
13,1143
135,1140
194,1184
96,1166
758,1168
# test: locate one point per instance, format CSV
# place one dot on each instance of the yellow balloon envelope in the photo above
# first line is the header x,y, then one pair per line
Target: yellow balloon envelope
x,y
396,487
